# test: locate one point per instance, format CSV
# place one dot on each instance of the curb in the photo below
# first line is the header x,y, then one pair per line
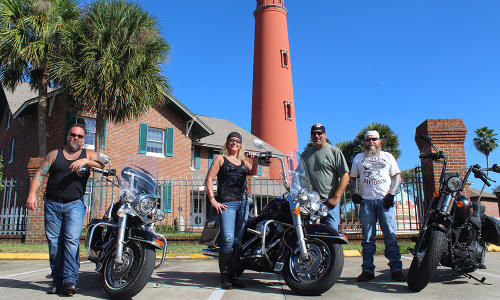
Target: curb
x,y
45,256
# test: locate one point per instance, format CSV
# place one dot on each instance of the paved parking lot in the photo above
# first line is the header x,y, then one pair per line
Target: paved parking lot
x,y
199,279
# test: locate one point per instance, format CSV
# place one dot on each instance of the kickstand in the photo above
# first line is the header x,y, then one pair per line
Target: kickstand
x,y
470,276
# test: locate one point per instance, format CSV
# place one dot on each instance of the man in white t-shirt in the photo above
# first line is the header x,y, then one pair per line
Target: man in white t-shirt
x,y
379,178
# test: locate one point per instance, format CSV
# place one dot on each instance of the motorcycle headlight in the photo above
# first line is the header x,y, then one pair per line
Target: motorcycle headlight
x,y
128,197
323,210
159,215
454,184
315,201
145,205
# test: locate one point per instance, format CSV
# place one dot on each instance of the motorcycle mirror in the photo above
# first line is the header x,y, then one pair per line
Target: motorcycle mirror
x,y
426,138
103,158
495,168
258,143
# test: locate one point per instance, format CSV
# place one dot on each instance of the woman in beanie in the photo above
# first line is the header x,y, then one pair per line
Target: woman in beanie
x,y
231,203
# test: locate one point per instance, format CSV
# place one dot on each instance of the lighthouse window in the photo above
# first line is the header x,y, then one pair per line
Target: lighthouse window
x,y
284,58
288,110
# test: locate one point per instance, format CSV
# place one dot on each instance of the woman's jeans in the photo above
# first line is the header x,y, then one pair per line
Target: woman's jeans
x,y
369,212
63,228
233,221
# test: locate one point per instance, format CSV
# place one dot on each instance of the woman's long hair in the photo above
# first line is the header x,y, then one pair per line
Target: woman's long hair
x,y
240,155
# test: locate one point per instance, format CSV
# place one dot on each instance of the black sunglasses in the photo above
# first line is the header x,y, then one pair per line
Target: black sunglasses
x,y
234,141
74,135
371,140
317,133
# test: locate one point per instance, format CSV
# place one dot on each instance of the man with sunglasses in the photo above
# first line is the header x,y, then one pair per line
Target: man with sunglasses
x,y
63,208
328,173
379,178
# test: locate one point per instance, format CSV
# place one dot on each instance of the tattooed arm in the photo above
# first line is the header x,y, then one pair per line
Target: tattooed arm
x,y
42,171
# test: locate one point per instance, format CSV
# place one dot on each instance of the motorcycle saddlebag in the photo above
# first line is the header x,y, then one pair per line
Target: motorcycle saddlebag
x,y
490,230
210,232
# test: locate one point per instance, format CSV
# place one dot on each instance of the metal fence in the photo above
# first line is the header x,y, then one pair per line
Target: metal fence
x,y
12,206
186,205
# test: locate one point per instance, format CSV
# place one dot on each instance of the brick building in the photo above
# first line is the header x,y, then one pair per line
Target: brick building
x,y
181,143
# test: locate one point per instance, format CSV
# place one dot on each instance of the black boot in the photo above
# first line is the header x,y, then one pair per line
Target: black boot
x,y
225,270
236,269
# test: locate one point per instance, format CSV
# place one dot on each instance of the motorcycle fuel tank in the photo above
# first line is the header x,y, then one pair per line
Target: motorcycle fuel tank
x,y
278,209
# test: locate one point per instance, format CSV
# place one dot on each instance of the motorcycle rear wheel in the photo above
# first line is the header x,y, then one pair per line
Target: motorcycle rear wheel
x,y
319,273
123,281
420,273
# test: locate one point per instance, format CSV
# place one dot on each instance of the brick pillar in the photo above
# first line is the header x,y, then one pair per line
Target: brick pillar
x,y
447,135
35,233
497,193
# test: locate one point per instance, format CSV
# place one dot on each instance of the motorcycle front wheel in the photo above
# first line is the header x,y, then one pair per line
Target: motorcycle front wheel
x,y
422,269
318,272
123,281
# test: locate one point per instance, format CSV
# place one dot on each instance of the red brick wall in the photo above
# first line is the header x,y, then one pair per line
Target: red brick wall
x,y
35,232
449,136
491,208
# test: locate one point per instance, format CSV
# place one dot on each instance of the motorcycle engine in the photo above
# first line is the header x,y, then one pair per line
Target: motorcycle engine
x,y
469,253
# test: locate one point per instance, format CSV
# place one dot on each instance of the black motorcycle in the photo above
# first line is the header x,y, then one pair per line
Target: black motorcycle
x,y
286,238
455,231
123,242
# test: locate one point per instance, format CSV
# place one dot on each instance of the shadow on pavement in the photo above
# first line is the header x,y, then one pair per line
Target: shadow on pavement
x,y
258,282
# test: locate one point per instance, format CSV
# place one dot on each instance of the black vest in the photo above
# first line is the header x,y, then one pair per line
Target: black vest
x,y
64,184
231,181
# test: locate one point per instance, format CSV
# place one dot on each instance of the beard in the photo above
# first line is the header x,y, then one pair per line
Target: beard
x,y
373,151
74,146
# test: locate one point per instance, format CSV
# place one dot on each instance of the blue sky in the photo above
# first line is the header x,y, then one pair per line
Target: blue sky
x,y
353,62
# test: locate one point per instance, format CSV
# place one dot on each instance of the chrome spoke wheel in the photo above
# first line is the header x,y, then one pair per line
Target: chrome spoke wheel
x,y
315,266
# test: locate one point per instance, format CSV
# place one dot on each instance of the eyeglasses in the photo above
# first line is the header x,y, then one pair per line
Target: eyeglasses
x,y
74,135
320,133
371,140
234,141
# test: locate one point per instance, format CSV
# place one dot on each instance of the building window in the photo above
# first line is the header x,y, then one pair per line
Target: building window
x,y
195,158
288,110
155,141
12,149
7,122
284,58
89,142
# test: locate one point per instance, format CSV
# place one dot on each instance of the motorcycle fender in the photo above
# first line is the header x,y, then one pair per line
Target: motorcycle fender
x,y
146,236
324,231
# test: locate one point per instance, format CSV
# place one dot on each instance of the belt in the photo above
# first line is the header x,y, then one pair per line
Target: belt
x,y
62,200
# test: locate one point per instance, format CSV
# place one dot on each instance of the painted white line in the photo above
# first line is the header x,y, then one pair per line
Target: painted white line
x,y
407,257
488,274
34,271
217,294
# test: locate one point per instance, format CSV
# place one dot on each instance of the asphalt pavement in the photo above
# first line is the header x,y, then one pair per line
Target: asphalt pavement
x,y
199,279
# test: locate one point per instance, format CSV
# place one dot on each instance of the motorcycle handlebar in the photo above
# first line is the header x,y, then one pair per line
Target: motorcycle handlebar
x,y
104,172
434,156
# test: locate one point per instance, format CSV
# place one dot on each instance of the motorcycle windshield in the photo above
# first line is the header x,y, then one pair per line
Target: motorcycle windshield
x,y
296,175
140,176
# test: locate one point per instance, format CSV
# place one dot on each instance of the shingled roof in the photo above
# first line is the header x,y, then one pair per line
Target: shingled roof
x,y
22,97
222,128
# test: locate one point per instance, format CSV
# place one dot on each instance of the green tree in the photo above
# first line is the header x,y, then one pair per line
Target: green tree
x,y
31,32
485,142
390,142
112,64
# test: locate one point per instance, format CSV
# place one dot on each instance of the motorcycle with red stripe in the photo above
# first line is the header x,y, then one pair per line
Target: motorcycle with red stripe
x,y
455,231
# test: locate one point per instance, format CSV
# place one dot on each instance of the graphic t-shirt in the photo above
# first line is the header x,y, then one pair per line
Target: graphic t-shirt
x,y
374,174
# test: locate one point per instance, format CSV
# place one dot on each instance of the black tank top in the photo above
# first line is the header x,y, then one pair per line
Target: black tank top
x,y
231,181
64,184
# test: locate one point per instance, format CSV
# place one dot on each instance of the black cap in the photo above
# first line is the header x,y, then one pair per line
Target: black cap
x,y
235,134
318,127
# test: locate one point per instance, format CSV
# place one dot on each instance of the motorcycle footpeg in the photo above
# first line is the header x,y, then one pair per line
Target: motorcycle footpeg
x,y
278,266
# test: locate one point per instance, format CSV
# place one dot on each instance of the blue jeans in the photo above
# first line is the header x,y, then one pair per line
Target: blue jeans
x,y
63,228
369,212
333,218
233,221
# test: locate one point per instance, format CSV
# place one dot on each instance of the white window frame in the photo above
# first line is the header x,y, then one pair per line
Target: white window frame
x,y
81,120
12,149
156,154
9,117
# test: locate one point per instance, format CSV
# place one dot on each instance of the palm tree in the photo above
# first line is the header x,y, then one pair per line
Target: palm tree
x,y
30,36
485,142
112,64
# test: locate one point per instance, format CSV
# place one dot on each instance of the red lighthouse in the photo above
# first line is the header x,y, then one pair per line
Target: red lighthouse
x,y
273,113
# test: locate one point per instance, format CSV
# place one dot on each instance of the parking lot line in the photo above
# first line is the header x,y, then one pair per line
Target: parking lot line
x,y
34,271
488,274
217,294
